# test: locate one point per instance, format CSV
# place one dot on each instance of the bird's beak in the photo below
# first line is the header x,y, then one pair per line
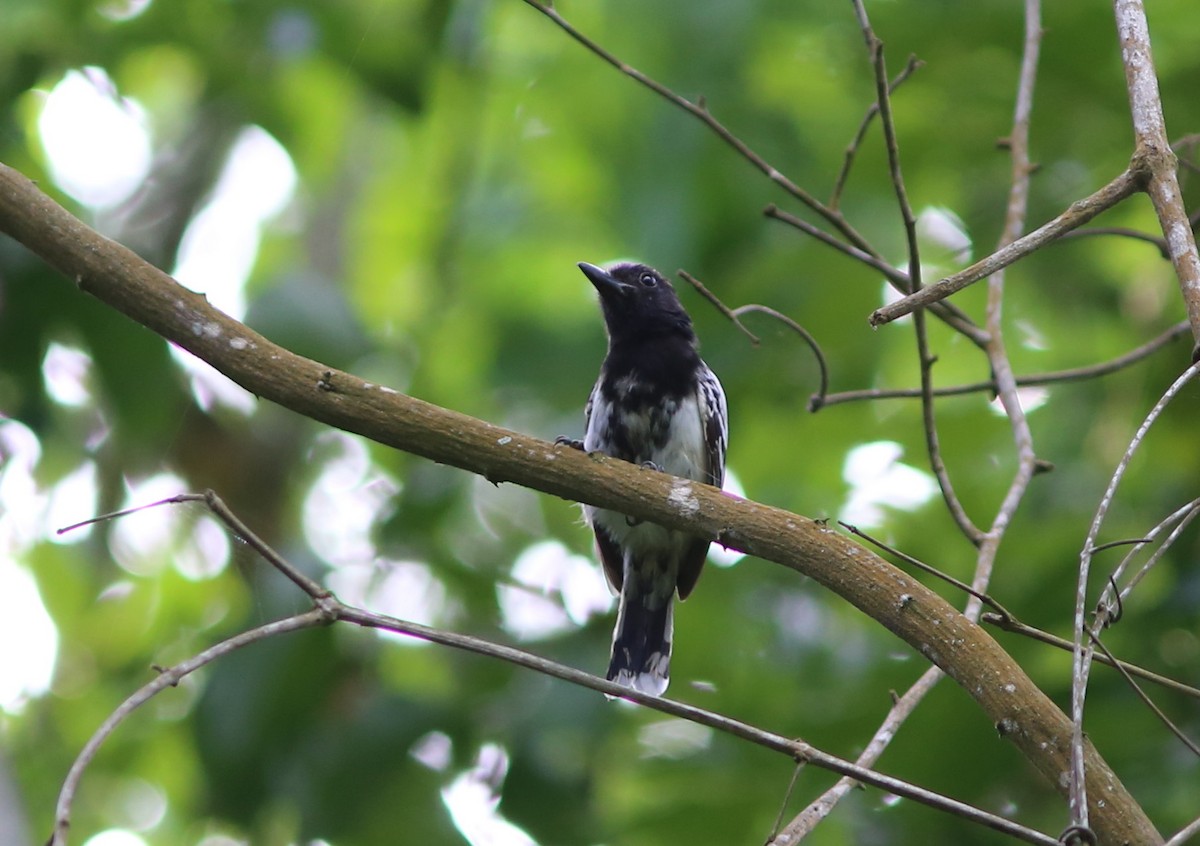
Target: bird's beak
x,y
604,281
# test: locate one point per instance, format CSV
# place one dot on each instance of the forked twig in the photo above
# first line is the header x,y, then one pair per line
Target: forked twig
x,y
1083,650
1078,213
1179,520
910,67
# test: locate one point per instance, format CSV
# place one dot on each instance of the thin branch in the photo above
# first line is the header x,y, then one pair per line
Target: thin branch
x,y
976,594
169,677
932,438
125,512
1120,232
1082,649
822,366
1077,214
1146,700
898,278
803,823
1015,626
1179,520
718,305
852,148
798,750
735,316
998,361
787,795
1185,834
891,143
1073,374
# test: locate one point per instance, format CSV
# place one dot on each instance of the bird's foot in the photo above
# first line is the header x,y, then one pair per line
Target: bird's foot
x,y
650,465
573,443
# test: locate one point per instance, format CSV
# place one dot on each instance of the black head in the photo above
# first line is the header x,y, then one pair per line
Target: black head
x,y
638,302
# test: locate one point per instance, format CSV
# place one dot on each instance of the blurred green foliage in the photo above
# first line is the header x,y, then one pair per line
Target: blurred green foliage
x,y
455,159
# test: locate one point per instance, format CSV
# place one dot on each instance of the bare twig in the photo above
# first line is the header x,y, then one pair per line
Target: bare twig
x,y
718,305
1178,520
798,750
1142,695
804,822
787,795
977,594
884,102
1082,649
124,512
1120,232
852,148
932,438
735,315
1074,374
822,366
1015,626
997,355
169,677
898,278
1077,214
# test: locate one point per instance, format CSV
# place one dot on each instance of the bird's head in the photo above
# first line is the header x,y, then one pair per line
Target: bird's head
x,y
638,301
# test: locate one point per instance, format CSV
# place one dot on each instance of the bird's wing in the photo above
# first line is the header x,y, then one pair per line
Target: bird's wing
x,y
714,417
610,552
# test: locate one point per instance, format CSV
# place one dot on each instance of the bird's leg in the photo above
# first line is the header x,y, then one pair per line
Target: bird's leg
x,y
573,443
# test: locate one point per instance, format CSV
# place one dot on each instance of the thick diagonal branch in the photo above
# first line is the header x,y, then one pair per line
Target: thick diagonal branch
x,y
1019,710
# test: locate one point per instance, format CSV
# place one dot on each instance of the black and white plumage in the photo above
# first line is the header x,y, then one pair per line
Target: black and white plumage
x,y
658,404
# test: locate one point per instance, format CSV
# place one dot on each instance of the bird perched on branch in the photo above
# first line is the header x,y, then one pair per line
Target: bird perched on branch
x,y
657,404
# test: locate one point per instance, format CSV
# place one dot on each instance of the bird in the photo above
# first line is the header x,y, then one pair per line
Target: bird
x,y
656,404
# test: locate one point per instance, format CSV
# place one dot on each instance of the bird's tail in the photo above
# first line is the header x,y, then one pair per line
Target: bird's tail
x,y
641,650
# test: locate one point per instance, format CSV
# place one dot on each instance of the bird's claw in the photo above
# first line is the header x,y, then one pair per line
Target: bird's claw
x,y
573,443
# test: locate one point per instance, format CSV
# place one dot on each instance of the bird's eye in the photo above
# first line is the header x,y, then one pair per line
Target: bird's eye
x,y
648,280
